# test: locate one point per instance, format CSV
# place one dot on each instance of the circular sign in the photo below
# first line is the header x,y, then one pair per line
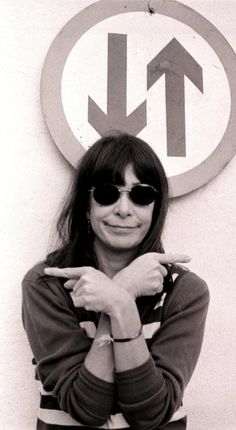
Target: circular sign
x,y
193,146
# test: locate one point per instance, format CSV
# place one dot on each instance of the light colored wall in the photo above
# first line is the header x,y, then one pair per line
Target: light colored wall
x,y
33,179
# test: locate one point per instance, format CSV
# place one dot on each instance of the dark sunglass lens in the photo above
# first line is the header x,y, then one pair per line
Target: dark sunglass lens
x,y
106,194
143,195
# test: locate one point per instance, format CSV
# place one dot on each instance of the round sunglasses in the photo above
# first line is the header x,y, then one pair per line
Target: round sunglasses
x,y
140,194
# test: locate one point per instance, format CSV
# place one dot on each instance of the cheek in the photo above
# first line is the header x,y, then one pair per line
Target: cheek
x,y
147,214
149,222
97,214
93,211
93,216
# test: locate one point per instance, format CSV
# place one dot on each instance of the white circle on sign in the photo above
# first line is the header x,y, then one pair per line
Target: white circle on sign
x,y
134,123
206,113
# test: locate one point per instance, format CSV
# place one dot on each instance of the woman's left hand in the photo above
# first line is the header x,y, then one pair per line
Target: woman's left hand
x,y
90,288
144,276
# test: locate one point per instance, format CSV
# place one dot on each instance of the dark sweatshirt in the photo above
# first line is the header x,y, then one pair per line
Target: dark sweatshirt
x,y
145,398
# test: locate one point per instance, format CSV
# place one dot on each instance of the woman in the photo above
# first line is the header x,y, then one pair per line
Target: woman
x,y
115,325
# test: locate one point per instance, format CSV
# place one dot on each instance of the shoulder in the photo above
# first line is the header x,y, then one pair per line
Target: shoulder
x,y
188,289
39,289
34,276
35,280
35,272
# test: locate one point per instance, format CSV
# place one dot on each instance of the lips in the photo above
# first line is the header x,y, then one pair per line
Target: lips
x,y
121,227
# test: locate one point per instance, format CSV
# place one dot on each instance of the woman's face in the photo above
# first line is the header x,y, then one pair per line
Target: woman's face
x,y
122,225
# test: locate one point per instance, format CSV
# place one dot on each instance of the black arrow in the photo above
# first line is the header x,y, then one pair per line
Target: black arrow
x,y
116,117
175,62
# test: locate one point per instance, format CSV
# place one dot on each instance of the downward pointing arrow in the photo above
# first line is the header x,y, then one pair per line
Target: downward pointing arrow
x,y
175,62
116,117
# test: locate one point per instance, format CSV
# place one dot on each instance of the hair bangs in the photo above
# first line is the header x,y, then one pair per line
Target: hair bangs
x,y
110,164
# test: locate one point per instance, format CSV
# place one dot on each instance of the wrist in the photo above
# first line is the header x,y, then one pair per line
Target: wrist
x,y
124,282
104,325
122,305
107,339
125,320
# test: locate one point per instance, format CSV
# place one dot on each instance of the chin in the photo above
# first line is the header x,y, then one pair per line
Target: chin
x,y
123,246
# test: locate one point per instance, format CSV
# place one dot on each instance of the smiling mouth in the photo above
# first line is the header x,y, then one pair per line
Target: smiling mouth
x,y
121,227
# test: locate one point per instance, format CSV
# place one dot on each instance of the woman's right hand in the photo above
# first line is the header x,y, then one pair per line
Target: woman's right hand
x,y
145,275
91,289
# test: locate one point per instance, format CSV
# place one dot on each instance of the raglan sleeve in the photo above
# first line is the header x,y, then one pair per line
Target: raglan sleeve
x,y
151,394
60,346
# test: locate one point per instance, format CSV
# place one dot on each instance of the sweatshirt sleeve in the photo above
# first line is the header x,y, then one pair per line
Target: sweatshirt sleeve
x,y
150,394
60,346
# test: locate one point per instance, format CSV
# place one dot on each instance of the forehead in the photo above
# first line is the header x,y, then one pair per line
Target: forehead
x,y
129,176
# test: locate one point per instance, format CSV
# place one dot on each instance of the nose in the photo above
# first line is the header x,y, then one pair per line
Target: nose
x,y
123,207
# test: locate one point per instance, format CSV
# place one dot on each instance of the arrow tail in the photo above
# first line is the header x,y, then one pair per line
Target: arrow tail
x,y
117,75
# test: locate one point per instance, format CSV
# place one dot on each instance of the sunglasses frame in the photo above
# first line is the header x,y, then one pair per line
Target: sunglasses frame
x,y
120,191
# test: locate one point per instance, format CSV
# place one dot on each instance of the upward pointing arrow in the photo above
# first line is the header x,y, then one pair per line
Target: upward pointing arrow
x,y
175,62
116,117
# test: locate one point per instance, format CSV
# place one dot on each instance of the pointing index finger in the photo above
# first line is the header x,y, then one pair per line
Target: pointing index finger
x,y
173,258
67,272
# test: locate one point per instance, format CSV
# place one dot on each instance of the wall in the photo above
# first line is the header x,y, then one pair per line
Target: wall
x,y
34,177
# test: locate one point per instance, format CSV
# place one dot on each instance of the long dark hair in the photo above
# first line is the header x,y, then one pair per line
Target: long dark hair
x,y
105,162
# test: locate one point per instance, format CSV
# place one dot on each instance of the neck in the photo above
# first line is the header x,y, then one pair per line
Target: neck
x,y
111,261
